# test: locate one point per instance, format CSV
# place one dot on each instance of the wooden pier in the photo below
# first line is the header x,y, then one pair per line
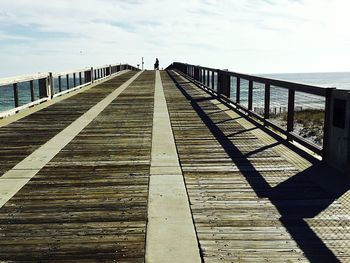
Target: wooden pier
x,y
82,179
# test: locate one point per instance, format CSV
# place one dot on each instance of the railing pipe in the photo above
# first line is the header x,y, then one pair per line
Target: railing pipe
x,y
290,86
46,84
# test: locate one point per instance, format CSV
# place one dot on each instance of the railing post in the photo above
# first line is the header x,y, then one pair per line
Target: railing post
x,y
290,116
31,84
212,80
59,83
51,86
43,85
337,131
74,79
87,76
15,94
92,75
327,124
67,79
250,95
196,73
224,83
219,85
267,102
208,78
238,90
80,79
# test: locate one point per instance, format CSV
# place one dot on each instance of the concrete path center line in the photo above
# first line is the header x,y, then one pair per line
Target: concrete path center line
x,y
171,234
13,180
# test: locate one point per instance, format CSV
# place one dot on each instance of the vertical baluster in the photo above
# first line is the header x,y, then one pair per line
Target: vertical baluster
x,y
80,79
51,84
250,95
60,83
267,102
208,77
212,80
15,94
31,84
67,77
238,90
74,80
290,117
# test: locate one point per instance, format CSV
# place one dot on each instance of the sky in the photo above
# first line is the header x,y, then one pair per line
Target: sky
x,y
250,36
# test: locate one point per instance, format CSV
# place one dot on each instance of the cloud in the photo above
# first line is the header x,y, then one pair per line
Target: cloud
x,y
245,35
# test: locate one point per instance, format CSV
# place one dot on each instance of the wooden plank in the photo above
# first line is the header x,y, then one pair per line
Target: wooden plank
x,y
21,138
249,202
90,202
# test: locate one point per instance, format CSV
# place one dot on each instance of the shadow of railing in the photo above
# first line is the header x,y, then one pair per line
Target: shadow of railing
x,y
287,196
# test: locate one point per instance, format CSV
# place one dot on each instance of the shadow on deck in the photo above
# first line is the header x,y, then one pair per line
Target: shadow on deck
x,y
299,199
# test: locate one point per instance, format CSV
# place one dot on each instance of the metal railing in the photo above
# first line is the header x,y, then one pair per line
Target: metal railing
x,y
18,93
300,112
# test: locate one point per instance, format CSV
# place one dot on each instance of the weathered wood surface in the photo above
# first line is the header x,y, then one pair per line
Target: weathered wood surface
x,y
89,204
21,138
250,204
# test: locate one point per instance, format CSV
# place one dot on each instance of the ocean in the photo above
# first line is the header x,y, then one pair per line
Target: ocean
x,y
340,80
7,97
279,96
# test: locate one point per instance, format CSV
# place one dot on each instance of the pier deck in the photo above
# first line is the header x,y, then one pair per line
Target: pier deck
x,y
81,179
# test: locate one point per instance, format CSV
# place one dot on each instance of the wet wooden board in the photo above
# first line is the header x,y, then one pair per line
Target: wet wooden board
x,y
21,138
249,204
89,204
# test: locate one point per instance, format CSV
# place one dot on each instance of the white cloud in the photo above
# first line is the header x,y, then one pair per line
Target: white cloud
x,y
253,36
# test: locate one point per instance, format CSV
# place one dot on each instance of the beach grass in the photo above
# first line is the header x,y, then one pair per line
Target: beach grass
x,y
308,123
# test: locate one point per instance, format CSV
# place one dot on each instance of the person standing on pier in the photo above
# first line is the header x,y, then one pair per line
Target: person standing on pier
x,y
156,65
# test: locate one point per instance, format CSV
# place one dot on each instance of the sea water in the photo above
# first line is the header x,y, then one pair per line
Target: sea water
x,y
24,96
279,96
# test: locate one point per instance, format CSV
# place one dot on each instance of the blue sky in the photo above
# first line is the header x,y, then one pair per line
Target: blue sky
x,y
252,36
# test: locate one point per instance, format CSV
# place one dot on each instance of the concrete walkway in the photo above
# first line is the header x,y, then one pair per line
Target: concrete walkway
x,y
171,234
